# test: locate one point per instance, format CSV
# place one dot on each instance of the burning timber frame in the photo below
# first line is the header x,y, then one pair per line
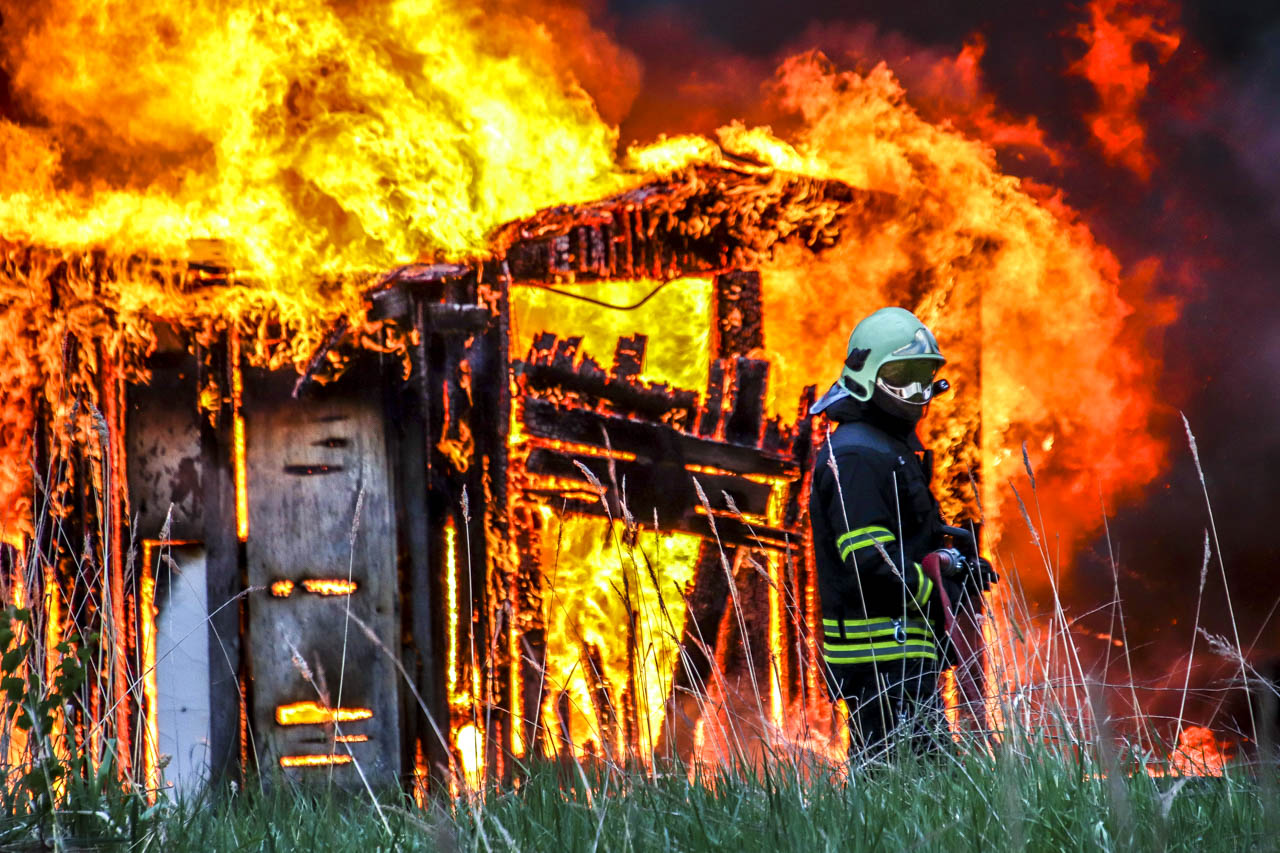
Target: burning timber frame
x,y
356,504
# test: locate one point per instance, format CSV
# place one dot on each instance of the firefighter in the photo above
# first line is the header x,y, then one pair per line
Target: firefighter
x,y
889,585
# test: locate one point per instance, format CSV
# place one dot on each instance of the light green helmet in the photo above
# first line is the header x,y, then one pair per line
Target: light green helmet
x,y
887,337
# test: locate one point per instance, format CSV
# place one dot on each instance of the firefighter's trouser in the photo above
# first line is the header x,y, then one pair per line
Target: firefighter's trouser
x,y
889,703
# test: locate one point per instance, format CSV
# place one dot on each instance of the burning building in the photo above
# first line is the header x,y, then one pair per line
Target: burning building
x,y
379,542
542,489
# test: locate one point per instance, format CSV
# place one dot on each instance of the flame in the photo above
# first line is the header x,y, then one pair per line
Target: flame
x,y
239,451
1199,753
309,145
675,319
314,760
586,611
451,592
1116,28
150,687
282,589
315,139
329,587
1024,301
313,713
470,743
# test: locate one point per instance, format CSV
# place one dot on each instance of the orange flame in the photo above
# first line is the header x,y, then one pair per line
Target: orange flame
x,y
1115,29
329,586
313,713
238,449
1199,753
314,760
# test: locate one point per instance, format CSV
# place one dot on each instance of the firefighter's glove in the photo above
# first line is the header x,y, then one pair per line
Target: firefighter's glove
x,y
982,575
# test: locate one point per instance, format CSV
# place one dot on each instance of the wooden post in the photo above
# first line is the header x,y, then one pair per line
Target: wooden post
x,y
420,525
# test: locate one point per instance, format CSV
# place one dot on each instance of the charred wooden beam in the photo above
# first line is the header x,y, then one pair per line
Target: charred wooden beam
x,y
319,358
745,659
700,221
732,529
418,523
709,424
738,325
549,369
746,421
531,625
663,487
628,358
650,441
224,575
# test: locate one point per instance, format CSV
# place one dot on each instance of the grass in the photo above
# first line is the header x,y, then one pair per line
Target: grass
x,y
981,802
1059,778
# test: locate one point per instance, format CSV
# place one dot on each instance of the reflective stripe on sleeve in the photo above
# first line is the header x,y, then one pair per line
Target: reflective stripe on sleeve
x,y
863,537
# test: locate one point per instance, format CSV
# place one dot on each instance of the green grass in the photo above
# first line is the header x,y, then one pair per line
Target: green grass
x,y
1032,802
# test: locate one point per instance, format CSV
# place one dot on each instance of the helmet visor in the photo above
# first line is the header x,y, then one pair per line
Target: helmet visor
x,y
909,380
921,343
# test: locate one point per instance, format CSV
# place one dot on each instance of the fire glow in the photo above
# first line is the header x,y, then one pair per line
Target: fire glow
x,y
388,179
313,713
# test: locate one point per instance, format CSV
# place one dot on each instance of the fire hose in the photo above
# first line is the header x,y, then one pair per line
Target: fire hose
x,y
967,572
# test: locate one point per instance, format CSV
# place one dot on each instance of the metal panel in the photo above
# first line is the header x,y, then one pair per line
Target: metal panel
x,y
320,509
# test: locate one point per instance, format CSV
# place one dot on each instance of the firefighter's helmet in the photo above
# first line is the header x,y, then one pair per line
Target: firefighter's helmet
x,y
890,360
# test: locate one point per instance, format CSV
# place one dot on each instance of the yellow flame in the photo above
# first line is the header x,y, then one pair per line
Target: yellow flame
x,y
239,463
150,687
451,593
777,651
314,138
583,603
313,713
282,589
314,760
319,586
470,743
676,320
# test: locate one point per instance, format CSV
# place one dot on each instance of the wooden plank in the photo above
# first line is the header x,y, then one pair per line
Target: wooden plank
x,y
320,509
733,531
738,326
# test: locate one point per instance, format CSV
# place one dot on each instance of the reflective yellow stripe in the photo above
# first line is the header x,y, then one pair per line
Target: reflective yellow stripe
x,y
922,600
874,627
880,653
859,532
866,540
884,644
